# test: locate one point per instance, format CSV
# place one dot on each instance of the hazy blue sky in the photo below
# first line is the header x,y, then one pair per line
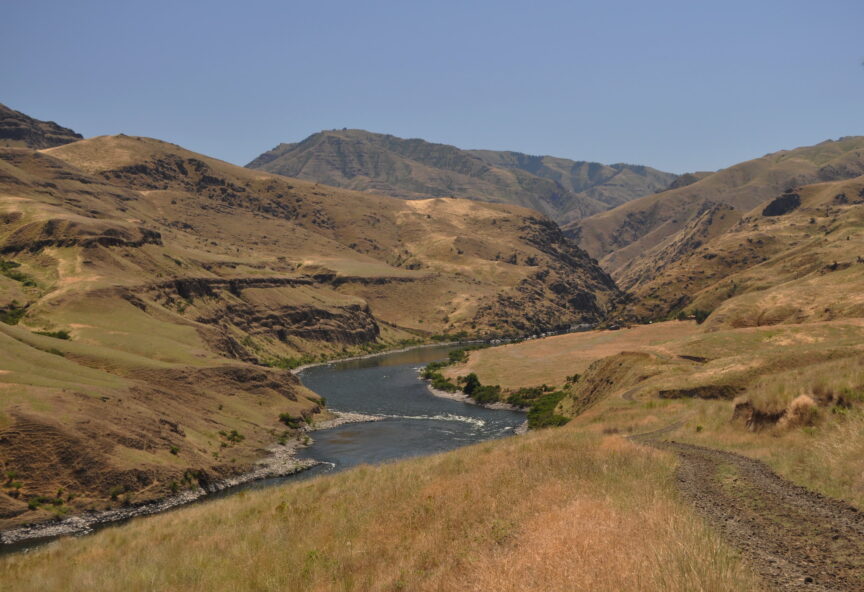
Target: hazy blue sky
x,y
679,85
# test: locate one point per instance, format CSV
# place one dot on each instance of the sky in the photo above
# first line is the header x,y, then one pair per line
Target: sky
x,y
677,85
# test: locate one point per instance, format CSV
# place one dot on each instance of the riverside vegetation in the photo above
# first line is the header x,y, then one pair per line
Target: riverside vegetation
x,y
540,401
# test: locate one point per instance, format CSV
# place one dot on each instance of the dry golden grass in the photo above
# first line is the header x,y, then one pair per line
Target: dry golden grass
x,y
553,510
820,446
552,359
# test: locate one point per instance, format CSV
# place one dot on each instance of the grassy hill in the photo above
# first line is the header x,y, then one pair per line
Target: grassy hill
x,y
152,299
618,236
763,266
562,189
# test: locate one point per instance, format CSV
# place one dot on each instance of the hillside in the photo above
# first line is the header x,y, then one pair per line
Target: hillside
x,y
618,236
562,189
152,298
794,258
20,130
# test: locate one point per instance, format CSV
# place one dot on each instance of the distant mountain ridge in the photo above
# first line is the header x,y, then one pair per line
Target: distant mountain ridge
x,y
563,189
18,130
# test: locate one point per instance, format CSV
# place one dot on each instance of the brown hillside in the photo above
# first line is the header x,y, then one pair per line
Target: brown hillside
x,y
794,258
620,235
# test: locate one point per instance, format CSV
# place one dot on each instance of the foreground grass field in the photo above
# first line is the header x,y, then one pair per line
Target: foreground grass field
x,y
551,510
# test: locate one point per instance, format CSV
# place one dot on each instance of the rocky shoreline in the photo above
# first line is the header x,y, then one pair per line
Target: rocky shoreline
x,y
280,462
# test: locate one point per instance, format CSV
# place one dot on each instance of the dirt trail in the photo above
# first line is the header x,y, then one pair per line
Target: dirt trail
x,y
795,538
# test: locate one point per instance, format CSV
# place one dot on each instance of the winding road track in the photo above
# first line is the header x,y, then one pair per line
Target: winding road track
x,y
794,538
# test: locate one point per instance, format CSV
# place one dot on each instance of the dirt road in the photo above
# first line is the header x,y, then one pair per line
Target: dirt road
x,y
795,538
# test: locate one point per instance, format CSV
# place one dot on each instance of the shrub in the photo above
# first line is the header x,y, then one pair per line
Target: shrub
x,y
12,313
524,397
470,383
487,394
9,269
290,363
291,421
62,334
542,413
701,315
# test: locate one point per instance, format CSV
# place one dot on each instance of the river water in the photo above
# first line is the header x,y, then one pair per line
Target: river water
x,y
416,422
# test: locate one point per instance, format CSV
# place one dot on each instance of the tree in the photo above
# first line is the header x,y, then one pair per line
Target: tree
x,y
471,384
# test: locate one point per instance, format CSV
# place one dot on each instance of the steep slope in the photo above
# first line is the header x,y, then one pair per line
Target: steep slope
x,y
410,169
149,297
17,129
618,236
794,258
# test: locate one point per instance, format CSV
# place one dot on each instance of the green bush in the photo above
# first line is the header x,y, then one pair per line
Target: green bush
x,y
62,334
487,394
470,383
701,315
12,313
233,436
524,397
291,421
290,363
542,413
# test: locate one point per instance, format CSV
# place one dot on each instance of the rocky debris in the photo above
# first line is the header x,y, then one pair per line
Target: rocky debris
x,y
341,418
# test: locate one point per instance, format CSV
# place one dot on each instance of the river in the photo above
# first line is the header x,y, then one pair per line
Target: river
x,y
415,422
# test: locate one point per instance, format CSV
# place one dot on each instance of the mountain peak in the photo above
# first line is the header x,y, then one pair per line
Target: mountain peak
x,y
414,168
